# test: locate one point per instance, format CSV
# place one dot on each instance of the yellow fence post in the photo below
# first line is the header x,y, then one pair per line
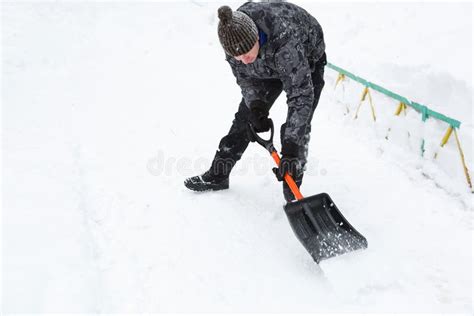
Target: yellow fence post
x,y
445,139
366,93
401,107
340,78
463,161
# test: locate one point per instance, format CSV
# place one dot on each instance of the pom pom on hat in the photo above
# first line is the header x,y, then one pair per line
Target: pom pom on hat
x,y
225,14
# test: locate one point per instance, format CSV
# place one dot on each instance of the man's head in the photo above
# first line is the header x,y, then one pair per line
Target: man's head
x,y
238,35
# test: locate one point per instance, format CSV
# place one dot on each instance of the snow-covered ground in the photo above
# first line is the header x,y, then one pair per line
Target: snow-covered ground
x,y
107,107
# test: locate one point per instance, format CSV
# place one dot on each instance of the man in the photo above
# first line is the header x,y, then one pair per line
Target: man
x,y
270,47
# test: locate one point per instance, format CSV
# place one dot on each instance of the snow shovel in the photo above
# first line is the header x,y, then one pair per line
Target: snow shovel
x,y
316,221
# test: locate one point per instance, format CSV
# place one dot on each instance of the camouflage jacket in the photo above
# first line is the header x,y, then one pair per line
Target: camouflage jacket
x,y
294,44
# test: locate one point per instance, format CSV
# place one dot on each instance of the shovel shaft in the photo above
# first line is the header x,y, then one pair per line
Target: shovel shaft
x,y
288,179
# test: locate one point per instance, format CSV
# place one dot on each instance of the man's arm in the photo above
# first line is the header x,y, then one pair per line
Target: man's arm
x,y
296,77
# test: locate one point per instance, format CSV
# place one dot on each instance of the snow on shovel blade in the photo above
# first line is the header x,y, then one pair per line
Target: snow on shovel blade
x,y
321,227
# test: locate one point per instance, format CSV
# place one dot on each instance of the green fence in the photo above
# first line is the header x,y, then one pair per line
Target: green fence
x,y
425,112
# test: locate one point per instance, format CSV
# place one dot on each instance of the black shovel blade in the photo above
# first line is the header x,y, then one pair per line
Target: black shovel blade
x,y
321,228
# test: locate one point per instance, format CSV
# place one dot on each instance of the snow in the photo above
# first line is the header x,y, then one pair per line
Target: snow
x,y
107,107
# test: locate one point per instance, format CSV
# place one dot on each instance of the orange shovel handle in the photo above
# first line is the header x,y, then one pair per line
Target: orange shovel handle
x,y
268,145
288,179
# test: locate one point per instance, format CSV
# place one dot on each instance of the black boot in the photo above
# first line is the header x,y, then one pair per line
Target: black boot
x,y
207,182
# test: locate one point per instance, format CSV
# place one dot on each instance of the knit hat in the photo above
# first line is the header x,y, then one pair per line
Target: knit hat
x,y
237,31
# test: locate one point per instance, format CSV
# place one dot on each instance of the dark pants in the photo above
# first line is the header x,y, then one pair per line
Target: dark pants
x,y
233,145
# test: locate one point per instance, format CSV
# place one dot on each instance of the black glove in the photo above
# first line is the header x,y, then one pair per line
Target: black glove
x,y
289,164
258,117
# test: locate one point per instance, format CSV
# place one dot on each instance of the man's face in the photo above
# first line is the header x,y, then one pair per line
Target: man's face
x,y
249,57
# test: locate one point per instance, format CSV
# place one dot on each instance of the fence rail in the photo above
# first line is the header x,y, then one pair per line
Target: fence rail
x,y
423,109
404,102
